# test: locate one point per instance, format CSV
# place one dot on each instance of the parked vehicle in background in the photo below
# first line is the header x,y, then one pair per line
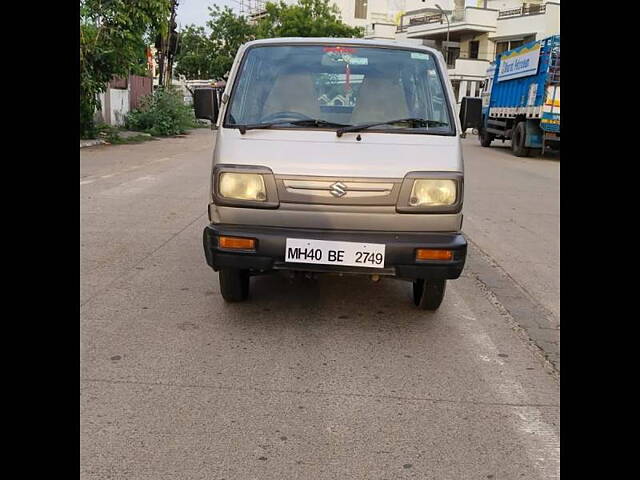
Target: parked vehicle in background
x,y
337,156
521,98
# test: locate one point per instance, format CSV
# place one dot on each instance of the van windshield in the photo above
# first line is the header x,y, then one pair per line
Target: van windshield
x,y
340,86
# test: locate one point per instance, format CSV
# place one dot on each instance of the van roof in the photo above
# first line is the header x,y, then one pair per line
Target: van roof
x,y
341,41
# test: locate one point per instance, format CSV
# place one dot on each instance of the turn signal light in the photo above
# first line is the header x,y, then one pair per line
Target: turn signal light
x,y
237,243
428,254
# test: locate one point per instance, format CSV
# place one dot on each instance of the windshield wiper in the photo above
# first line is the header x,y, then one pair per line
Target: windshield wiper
x,y
414,121
311,122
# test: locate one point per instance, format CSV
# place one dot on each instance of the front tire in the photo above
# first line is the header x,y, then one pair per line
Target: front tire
x,y
234,284
428,294
518,139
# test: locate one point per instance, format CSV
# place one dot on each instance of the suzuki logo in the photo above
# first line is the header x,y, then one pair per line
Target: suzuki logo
x,y
338,189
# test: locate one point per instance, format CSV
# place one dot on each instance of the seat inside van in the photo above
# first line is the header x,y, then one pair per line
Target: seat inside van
x,y
293,92
380,98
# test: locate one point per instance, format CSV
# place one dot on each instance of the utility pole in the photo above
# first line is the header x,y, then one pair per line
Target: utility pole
x,y
172,41
164,45
447,18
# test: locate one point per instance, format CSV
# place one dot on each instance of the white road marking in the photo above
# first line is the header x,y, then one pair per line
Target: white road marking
x,y
132,187
133,167
540,439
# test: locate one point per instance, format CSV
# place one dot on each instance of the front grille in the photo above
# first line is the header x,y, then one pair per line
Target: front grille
x,y
338,191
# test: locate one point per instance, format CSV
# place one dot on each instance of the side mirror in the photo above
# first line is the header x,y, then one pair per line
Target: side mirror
x,y
470,113
205,104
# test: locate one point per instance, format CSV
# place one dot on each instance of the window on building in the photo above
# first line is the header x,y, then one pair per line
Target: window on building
x,y
501,47
509,45
361,9
474,48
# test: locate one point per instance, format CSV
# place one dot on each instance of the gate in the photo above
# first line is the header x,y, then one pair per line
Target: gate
x,y
138,87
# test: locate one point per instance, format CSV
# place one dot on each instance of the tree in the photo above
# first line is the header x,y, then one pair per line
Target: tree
x,y
113,36
228,32
195,58
308,18
211,56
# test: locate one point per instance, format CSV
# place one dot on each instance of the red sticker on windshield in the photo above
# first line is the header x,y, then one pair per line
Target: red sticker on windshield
x,y
340,49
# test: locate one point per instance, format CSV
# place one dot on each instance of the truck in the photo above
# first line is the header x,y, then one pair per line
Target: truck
x,y
521,99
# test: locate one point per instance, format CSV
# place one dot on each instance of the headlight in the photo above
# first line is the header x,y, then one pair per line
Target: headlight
x,y
433,193
243,186
246,186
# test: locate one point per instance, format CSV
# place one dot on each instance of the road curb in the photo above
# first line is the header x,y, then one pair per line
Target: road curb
x,y
91,143
535,322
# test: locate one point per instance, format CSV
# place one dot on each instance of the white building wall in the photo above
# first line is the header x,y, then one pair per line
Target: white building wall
x,y
118,105
543,25
524,25
552,26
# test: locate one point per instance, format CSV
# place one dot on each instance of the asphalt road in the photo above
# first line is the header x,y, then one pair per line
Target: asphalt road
x,y
512,212
336,379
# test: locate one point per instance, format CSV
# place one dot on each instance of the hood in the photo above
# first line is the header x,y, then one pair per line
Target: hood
x,y
323,153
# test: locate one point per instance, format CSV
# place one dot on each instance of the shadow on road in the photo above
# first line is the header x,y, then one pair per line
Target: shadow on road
x,y
358,301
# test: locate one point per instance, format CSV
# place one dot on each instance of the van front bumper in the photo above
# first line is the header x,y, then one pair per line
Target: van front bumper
x,y
400,250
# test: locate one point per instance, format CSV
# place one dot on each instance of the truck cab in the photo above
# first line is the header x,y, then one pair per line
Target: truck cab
x,y
336,156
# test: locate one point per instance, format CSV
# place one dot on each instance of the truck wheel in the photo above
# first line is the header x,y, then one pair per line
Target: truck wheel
x,y
485,138
518,139
234,284
428,294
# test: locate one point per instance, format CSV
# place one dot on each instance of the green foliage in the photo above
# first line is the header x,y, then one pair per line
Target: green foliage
x,y
108,132
112,135
162,113
211,56
112,43
228,32
204,56
195,58
308,18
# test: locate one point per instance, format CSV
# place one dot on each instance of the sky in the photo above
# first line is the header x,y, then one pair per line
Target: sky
x,y
196,11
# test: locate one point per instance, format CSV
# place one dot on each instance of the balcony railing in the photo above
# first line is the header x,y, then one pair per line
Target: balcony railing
x,y
460,15
457,16
421,20
524,10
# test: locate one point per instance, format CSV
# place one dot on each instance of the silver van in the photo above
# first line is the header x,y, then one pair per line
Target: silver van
x,y
338,156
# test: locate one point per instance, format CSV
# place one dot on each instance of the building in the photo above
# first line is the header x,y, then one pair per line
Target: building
x,y
478,33
356,13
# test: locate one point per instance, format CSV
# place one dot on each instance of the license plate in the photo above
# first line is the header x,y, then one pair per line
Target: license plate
x,y
351,254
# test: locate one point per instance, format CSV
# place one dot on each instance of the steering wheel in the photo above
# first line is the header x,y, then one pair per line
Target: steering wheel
x,y
272,117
